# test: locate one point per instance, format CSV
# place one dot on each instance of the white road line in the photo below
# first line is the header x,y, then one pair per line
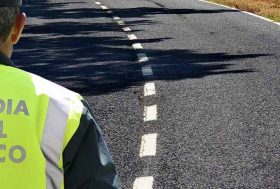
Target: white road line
x,y
249,13
217,4
142,57
132,37
104,7
148,145
116,18
149,89
150,113
143,183
261,17
137,46
149,141
126,29
147,71
121,23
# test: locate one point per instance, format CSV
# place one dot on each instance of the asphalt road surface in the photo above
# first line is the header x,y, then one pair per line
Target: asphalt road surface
x,y
216,75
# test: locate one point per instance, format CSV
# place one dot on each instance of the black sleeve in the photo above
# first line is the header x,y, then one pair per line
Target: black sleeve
x,y
86,159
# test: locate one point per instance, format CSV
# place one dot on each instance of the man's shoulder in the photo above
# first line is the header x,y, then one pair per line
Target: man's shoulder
x,y
46,87
43,86
32,84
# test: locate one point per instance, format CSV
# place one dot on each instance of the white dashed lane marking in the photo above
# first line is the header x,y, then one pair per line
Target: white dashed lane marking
x,y
148,141
116,18
148,145
121,23
143,183
142,57
147,71
126,29
150,113
132,37
137,46
104,7
149,89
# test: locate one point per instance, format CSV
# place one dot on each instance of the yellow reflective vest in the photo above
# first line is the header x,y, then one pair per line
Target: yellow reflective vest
x,y
37,120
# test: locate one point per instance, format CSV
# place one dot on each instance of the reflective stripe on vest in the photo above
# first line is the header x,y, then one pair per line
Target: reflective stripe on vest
x,y
52,142
37,120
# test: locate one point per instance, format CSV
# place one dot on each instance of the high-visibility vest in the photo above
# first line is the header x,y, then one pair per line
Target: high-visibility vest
x,y
37,120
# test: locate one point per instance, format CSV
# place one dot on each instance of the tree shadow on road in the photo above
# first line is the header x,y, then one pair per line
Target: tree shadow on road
x,y
82,49
75,48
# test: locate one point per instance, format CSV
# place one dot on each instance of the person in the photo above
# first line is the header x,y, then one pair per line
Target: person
x,y
48,136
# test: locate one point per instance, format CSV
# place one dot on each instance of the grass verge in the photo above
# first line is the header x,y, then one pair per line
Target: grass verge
x,y
266,8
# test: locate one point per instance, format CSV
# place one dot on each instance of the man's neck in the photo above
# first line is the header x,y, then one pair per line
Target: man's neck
x,y
4,60
6,49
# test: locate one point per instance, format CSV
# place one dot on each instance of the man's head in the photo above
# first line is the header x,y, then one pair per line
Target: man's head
x,y
11,25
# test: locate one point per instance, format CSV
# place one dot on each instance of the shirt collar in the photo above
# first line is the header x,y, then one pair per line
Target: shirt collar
x,y
4,60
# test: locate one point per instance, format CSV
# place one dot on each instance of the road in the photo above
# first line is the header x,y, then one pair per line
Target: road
x,y
216,75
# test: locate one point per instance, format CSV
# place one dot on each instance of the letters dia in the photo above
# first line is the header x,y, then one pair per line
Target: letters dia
x,y
12,107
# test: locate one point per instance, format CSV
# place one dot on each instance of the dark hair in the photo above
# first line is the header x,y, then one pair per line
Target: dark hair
x,y
8,16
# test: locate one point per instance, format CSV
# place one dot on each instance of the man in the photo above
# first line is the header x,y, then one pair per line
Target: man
x,y
48,137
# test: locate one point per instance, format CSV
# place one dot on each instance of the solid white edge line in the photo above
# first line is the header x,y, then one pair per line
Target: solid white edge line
x,y
147,71
137,46
249,13
143,183
149,89
132,37
148,145
261,17
142,57
150,113
218,4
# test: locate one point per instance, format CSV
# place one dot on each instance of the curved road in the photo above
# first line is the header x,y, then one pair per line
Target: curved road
x,y
216,75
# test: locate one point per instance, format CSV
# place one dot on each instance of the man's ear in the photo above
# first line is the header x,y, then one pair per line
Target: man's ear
x,y
18,28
